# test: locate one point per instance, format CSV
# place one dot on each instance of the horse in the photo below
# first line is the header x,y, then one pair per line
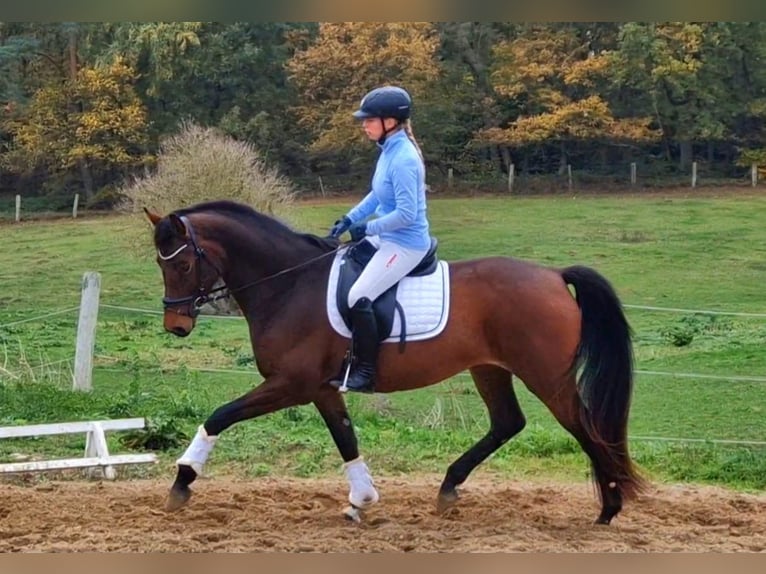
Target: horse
x,y
507,317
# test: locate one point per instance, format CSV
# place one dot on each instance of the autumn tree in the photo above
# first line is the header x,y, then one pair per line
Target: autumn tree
x,y
464,101
701,80
556,79
348,59
96,119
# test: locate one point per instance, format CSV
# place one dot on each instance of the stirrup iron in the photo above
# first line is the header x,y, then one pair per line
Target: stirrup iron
x,y
344,385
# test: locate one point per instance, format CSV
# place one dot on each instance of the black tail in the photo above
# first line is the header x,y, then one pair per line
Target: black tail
x,y
606,383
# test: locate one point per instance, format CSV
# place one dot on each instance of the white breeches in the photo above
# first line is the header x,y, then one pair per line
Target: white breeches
x,y
389,264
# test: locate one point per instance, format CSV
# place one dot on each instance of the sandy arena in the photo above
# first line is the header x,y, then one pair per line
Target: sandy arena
x,y
297,515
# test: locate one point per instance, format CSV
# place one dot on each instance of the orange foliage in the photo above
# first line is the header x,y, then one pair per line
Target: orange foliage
x,y
558,77
350,58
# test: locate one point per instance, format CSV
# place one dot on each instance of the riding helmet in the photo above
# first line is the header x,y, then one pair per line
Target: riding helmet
x,y
385,102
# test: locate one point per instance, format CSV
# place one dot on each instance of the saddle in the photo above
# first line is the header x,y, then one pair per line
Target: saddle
x,y
353,263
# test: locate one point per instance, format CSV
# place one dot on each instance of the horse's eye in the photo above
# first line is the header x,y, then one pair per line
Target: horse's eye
x,y
184,266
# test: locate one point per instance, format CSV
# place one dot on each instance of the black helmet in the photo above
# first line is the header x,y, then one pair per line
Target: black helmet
x,y
385,102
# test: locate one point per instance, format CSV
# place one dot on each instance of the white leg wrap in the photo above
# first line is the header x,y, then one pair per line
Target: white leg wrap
x,y
362,493
198,451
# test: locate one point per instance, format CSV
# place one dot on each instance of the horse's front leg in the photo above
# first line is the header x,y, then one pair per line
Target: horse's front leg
x,y
362,493
271,395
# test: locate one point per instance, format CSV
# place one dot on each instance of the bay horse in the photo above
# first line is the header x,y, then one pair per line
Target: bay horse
x,y
507,317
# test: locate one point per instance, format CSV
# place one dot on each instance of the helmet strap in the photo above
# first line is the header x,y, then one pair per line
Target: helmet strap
x,y
382,139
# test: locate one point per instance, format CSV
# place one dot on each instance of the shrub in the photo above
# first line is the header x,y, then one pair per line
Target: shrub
x,y
201,164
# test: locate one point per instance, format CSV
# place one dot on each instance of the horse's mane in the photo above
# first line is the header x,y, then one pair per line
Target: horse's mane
x,y
251,218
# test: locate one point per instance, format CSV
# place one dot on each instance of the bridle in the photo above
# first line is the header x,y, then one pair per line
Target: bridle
x,y
202,296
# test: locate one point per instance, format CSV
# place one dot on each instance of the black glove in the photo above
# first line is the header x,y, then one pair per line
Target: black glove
x,y
340,227
358,231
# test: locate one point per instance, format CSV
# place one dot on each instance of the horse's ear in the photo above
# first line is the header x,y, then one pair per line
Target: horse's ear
x,y
178,225
153,217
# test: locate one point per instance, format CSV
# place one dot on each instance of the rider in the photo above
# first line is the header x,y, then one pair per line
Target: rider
x,y
400,231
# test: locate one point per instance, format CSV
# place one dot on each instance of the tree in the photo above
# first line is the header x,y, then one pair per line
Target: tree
x,y
12,51
557,80
346,61
227,75
463,101
97,119
697,79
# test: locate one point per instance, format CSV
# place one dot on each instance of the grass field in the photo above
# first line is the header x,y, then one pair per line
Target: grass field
x,y
672,250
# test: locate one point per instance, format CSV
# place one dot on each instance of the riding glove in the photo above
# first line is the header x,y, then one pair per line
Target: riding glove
x,y
340,227
358,231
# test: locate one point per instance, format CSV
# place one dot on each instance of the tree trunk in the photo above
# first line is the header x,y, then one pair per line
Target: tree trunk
x,y
471,57
505,153
685,160
73,54
87,179
85,175
562,158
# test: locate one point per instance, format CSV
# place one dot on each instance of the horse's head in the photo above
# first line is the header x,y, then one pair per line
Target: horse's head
x,y
188,272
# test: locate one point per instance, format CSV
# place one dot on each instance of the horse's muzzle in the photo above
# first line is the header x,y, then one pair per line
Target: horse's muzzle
x,y
178,324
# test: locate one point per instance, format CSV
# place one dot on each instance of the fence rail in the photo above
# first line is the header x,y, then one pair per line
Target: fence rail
x,y
695,311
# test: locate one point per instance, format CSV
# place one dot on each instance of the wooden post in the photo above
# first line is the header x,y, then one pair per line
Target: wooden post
x,y
633,171
449,178
86,331
18,208
694,174
321,186
95,446
74,206
569,175
511,175
754,174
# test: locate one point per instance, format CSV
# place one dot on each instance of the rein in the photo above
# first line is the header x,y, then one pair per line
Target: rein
x,y
202,297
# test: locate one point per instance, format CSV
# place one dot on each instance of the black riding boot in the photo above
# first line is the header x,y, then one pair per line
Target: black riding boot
x,y
365,340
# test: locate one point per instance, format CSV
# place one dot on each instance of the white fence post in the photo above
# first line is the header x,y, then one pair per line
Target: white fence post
x,y
321,186
511,175
569,175
449,178
74,206
754,174
86,331
95,446
633,171
694,174
18,208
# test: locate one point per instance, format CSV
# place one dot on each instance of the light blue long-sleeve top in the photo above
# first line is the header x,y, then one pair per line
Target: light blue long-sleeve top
x,y
398,196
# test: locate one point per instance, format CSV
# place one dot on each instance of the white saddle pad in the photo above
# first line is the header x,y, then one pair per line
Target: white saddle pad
x,y
425,301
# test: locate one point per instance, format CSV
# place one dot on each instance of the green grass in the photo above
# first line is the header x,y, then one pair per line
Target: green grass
x,y
686,252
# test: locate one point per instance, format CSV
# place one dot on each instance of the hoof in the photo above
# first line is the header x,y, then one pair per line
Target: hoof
x,y
353,514
607,513
446,501
177,498
602,521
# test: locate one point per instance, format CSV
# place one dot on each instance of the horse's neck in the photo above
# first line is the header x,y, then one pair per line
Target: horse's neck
x,y
259,269
253,251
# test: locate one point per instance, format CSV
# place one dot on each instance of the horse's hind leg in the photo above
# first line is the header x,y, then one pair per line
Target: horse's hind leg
x,y
566,407
506,420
